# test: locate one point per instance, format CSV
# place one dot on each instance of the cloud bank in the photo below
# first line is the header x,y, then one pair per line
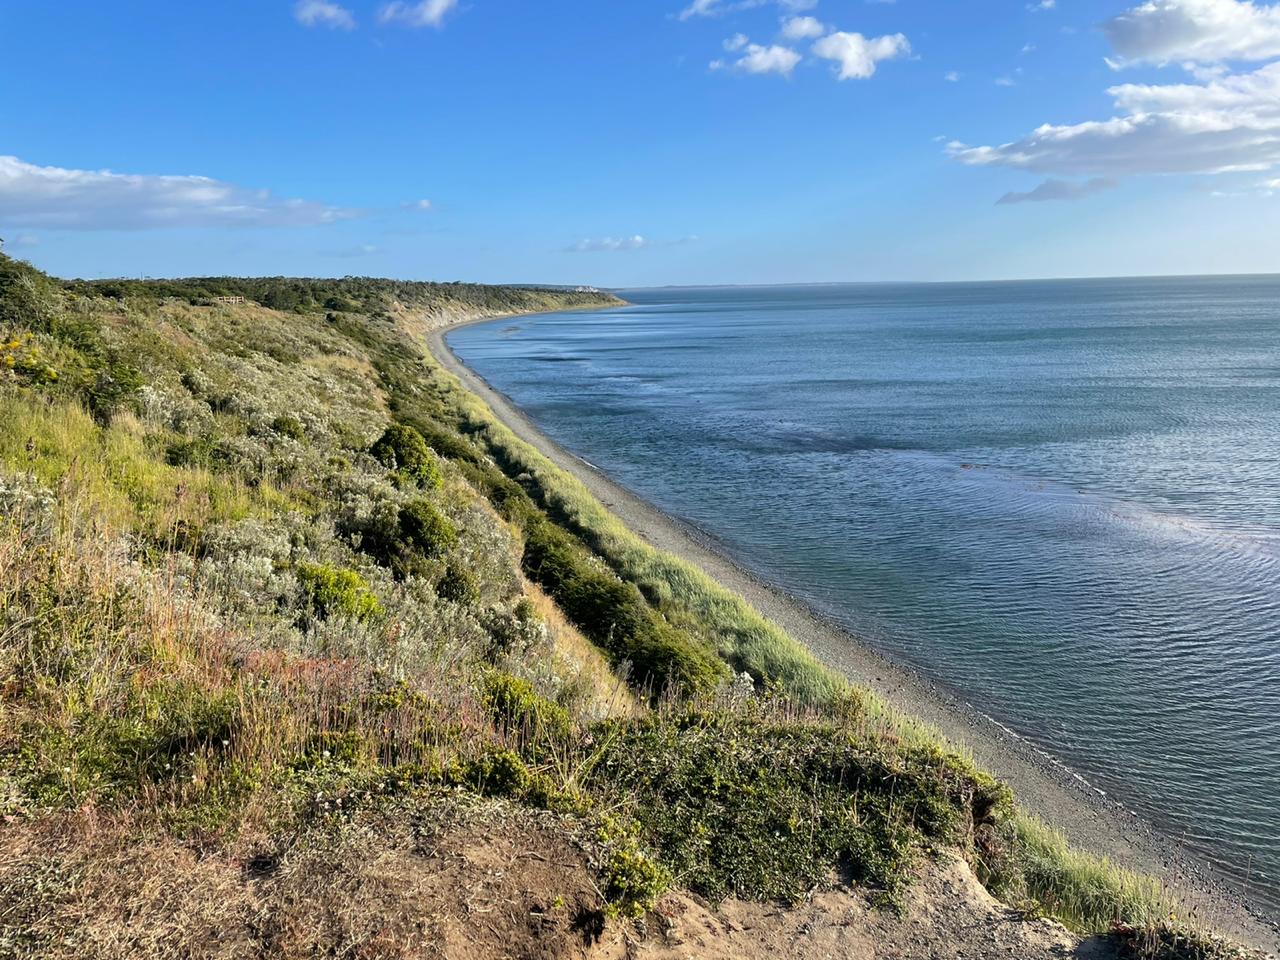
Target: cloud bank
x,y
62,199
1215,121
1227,124
719,8
609,245
1201,31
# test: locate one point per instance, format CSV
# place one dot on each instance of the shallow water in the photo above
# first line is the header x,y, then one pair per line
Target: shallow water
x,y
1059,498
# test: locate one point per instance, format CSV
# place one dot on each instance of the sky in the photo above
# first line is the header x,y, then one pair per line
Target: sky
x,y
642,142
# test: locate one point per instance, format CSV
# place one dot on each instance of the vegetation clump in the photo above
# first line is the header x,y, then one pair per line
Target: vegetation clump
x,y
403,449
333,592
749,802
424,529
614,613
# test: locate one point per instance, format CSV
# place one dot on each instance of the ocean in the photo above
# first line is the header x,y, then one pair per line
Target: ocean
x,y
1059,499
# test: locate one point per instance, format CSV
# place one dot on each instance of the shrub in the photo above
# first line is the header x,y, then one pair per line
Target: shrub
x,y
632,881
515,704
616,616
403,449
289,426
425,529
446,442
331,591
28,297
459,585
738,803
500,773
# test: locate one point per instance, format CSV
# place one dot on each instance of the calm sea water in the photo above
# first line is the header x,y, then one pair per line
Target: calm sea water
x,y
1059,498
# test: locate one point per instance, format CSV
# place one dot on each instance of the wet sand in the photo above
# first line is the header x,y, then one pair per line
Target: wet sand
x,y
1043,786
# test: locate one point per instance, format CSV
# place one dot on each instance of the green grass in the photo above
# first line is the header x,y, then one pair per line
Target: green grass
x,y
1033,865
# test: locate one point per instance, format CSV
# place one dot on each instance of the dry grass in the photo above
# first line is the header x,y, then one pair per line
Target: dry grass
x,y
581,664
451,877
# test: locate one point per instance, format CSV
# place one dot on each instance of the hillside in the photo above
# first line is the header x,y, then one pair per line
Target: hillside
x,y
303,654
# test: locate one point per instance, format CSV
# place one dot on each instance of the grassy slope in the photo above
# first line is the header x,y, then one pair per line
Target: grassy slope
x,y
238,610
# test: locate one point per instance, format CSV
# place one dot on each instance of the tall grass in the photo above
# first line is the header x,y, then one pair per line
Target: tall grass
x,y
1085,892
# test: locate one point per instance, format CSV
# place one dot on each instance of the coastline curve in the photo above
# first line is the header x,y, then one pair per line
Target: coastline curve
x,y
1044,785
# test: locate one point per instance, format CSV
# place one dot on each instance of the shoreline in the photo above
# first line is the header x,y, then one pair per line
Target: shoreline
x,y
1044,786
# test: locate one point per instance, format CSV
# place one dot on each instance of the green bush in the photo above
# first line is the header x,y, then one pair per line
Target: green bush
x,y
332,591
737,803
403,449
426,529
28,297
459,585
616,616
515,705
633,882
289,426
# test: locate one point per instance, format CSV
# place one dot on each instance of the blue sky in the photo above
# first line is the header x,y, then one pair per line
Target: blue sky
x,y
638,142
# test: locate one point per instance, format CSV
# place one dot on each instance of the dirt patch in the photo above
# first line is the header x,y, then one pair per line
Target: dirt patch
x,y
456,879
947,913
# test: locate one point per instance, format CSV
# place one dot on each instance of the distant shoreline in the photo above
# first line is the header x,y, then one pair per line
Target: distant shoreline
x,y
1043,785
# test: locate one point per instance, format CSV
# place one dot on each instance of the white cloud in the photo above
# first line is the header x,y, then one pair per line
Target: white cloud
x,y
1042,5
951,76
609,245
757,59
802,28
58,198
1006,82
420,205
1203,31
425,13
701,8
1227,124
20,242
1060,190
739,41
719,8
321,13
857,55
